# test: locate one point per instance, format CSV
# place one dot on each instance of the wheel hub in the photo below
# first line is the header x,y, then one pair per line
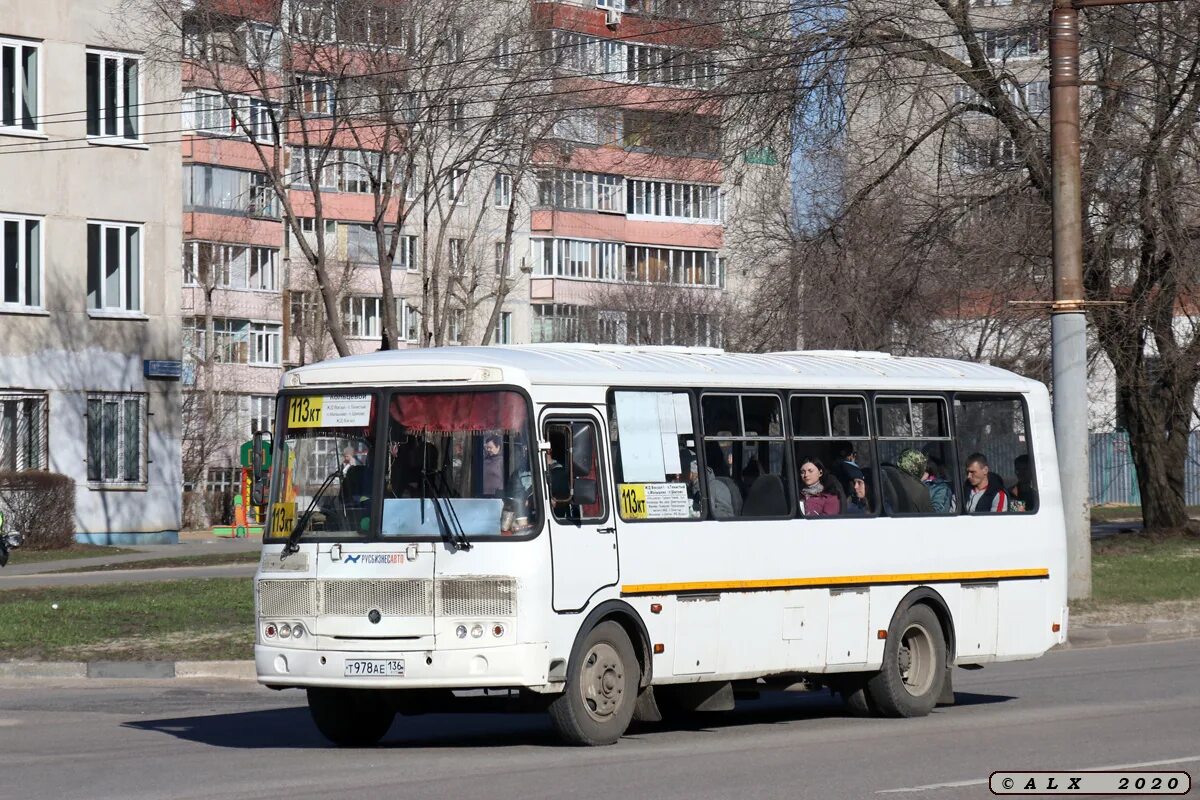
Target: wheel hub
x,y
603,681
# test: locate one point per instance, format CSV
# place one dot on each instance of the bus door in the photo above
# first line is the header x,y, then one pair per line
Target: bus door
x,y
583,539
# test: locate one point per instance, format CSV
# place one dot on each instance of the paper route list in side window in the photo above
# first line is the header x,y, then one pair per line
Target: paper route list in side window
x,y
655,445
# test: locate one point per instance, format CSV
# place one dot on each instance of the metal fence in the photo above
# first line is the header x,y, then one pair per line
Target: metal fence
x,y
1114,479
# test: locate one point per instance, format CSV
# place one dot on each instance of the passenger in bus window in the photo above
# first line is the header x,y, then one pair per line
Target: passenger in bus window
x,y
914,494
846,468
1023,493
720,502
856,500
985,492
941,494
815,499
493,465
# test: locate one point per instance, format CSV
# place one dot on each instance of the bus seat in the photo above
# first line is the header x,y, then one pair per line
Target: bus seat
x,y
766,498
735,494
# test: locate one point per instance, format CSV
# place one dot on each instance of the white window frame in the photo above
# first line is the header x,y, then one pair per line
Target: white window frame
x,y
456,115
456,325
24,86
363,315
120,478
19,428
127,119
262,409
317,95
28,297
503,334
406,253
456,253
410,321
457,185
125,304
502,190
264,339
505,57
265,262
505,269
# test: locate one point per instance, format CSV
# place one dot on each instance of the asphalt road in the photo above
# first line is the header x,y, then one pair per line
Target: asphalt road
x,y
1076,709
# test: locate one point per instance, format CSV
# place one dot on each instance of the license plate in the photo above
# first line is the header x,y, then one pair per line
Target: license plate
x,y
374,667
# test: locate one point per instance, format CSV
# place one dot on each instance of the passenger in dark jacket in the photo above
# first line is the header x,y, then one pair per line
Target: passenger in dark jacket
x,y
984,491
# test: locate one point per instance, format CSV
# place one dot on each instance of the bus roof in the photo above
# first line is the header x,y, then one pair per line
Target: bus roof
x,y
603,365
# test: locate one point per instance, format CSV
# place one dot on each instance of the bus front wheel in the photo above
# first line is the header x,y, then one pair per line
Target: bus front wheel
x,y
597,704
914,665
350,717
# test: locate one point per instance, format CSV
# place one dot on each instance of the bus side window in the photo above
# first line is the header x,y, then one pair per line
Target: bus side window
x,y
654,445
833,430
745,450
993,445
915,455
573,472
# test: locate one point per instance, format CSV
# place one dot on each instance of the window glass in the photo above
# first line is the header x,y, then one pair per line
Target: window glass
x,y
833,455
915,456
746,468
115,450
573,472
997,464
654,449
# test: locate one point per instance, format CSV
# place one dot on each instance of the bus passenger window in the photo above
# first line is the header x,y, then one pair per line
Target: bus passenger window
x,y
993,439
915,455
745,456
832,432
573,472
654,443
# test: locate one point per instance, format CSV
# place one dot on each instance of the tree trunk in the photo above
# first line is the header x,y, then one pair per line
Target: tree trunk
x,y
1159,448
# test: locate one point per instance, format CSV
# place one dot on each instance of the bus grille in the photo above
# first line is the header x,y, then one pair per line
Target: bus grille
x,y
398,598
287,598
487,597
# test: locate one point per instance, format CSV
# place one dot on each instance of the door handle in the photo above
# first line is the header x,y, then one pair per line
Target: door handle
x,y
606,530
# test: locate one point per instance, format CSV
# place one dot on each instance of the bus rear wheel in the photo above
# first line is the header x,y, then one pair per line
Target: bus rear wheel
x,y
597,704
914,666
350,717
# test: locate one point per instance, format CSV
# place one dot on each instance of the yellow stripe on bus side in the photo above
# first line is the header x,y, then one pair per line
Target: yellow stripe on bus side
x,y
841,580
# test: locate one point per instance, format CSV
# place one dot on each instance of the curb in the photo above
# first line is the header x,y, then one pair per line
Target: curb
x,y
1081,636
229,670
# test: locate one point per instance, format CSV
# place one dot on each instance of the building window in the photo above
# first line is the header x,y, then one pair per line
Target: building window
x,y
504,328
457,326
504,266
116,425
262,412
457,115
583,191
228,191
264,344
112,95
456,45
411,323
264,276
20,261
22,431
315,95
505,59
457,253
19,101
458,184
229,266
244,117
678,201
1005,45
502,190
114,267
363,316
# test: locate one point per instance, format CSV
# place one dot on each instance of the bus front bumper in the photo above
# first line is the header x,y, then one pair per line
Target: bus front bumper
x,y
508,666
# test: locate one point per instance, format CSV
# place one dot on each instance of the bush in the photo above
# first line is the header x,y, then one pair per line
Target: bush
x,y
40,505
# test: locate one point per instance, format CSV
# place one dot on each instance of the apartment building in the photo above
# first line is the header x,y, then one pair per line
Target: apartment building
x,y
597,216
89,267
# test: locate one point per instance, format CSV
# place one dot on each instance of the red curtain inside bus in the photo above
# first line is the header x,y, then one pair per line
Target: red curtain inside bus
x,y
460,411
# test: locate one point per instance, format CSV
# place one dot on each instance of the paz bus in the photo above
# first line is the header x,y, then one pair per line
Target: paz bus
x,y
614,533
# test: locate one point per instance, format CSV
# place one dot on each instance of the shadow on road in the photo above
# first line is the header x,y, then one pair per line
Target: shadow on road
x,y
293,727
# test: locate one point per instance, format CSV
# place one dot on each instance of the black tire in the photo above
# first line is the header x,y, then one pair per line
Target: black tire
x,y
350,717
597,704
856,697
914,665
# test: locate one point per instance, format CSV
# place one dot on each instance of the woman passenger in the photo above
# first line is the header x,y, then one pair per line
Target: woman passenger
x,y
815,499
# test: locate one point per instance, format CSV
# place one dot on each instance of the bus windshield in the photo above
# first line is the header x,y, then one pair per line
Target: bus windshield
x,y
324,463
468,452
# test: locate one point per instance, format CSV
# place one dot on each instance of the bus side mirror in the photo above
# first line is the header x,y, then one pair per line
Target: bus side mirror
x,y
260,455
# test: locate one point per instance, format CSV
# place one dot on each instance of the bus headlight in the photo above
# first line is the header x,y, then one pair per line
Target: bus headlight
x,y
297,631
285,630
476,631
461,631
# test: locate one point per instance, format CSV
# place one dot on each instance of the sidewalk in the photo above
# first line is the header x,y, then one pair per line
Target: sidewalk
x,y
191,544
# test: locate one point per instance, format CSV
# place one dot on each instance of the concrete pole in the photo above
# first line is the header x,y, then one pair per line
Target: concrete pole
x,y
1068,323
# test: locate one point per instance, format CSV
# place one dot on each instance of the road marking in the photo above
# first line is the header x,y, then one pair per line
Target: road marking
x,y
983,781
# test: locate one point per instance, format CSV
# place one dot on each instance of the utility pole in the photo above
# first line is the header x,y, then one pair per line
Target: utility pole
x,y
1068,323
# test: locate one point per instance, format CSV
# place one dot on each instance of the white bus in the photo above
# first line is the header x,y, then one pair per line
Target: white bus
x,y
608,532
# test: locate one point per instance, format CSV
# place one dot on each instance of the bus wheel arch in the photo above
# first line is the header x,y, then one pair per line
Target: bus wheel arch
x,y
627,617
602,686
926,595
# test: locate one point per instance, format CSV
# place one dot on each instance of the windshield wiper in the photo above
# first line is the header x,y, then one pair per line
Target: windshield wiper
x,y
293,542
453,532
